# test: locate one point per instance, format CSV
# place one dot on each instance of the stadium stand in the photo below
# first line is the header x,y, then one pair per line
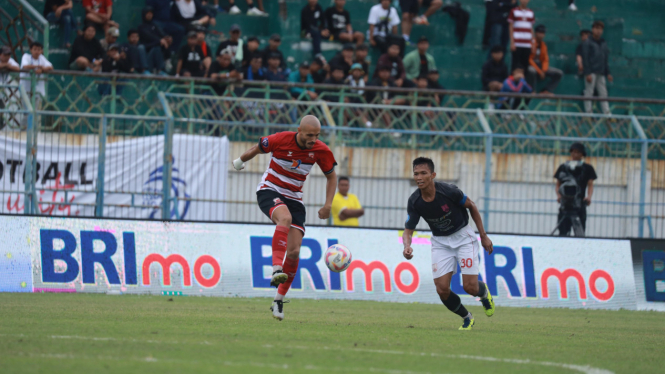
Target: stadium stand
x,y
635,38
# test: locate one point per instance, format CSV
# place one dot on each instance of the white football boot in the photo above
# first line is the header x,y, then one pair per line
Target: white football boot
x,y
277,309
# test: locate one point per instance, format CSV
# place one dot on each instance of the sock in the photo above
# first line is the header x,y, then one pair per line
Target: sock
x,y
454,304
279,297
279,239
290,268
469,316
482,290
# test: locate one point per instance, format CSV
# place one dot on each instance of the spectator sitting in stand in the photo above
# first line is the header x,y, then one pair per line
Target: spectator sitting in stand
x,y
344,59
222,69
392,59
136,56
383,21
231,44
162,19
207,54
190,59
336,78
302,75
60,12
249,49
7,65
99,12
584,35
433,84
361,58
338,24
255,70
110,37
189,14
36,62
273,47
115,62
424,99
319,70
410,14
418,62
495,70
539,64
382,78
251,9
273,72
87,53
154,40
356,79
515,84
312,25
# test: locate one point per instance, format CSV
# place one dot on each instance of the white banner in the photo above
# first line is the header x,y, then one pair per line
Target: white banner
x,y
95,255
67,176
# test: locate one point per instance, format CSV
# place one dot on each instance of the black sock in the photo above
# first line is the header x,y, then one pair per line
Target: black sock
x,y
454,304
482,290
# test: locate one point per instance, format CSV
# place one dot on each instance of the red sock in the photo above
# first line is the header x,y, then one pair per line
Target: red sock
x,y
290,268
279,240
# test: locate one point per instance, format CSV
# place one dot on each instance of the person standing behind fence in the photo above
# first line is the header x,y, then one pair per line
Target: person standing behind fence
x,y
572,179
596,70
36,62
346,208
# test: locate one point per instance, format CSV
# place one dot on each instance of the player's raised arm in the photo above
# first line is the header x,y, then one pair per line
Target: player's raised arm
x,y
331,188
475,215
249,154
406,240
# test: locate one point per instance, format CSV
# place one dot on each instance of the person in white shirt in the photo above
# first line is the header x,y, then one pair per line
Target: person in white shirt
x,y
36,62
7,65
383,20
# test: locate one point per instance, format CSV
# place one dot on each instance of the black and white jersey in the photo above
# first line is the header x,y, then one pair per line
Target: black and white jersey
x,y
445,215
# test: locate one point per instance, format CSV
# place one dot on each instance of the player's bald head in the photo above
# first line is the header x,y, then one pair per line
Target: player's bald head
x,y
309,131
309,123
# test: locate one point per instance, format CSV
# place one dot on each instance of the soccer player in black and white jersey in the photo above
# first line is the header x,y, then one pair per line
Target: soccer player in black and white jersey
x,y
444,207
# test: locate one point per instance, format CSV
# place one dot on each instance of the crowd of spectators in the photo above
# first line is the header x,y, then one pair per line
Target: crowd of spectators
x,y
175,31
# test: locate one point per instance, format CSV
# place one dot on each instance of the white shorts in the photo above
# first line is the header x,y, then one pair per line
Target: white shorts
x,y
461,247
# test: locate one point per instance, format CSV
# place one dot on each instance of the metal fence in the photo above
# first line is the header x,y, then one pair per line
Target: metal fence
x,y
504,160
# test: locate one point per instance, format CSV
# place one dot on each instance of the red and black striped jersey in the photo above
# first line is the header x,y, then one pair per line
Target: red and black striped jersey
x,y
290,164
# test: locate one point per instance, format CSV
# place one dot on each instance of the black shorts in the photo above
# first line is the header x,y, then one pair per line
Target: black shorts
x,y
411,6
269,200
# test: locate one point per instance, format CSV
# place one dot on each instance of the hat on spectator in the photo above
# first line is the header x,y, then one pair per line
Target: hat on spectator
x,y
383,67
276,37
113,31
114,46
235,27
578,147
540,28
348,46
191,34
423,39
5,50
304,65
497,48
357,66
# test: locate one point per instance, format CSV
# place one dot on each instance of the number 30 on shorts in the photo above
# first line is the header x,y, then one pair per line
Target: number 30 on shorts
x,y
466,262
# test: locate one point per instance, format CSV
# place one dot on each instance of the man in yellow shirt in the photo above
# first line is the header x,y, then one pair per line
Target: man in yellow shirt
x,y
346,208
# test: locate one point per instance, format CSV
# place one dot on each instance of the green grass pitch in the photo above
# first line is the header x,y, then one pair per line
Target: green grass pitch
x,y
88,333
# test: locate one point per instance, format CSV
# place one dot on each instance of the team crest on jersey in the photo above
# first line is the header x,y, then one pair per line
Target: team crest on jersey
x,y
277,200
290,153
264,142
445,208
311,155
295,164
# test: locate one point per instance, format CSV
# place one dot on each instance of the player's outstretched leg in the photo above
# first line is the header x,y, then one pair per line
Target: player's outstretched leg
x,y
290,269
474,287
452,301
280,238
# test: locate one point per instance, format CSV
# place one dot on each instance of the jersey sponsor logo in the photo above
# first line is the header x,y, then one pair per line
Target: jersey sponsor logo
x,y
264,142
311,155
295,164
277,200
290,153
445,208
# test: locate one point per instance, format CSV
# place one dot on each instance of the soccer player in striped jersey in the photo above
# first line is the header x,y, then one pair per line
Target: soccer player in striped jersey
x,y
279,195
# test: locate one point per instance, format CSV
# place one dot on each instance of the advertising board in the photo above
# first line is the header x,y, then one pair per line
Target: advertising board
x,y
218,259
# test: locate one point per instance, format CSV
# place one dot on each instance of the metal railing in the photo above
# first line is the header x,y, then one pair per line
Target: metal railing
x,y
21,24
505,159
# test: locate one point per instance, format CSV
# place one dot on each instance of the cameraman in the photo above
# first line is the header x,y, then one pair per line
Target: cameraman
x,y
572,179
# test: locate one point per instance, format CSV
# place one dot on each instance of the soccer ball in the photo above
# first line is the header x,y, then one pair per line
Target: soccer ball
x,y
338,258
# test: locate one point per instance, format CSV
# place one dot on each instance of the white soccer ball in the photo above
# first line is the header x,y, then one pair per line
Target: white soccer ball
x,y
338,258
